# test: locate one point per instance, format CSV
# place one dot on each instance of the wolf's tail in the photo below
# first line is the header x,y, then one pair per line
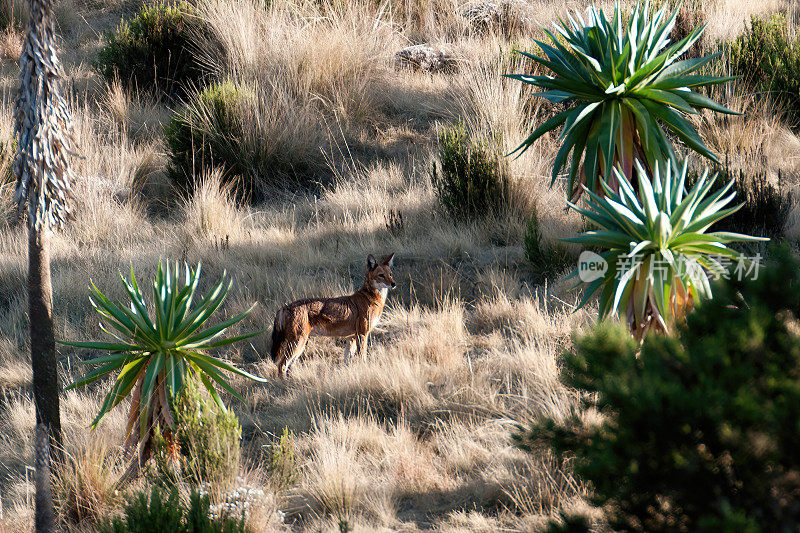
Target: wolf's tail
x,y
278,335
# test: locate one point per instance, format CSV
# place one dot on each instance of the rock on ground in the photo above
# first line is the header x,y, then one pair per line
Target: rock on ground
x,y
509,15
426,58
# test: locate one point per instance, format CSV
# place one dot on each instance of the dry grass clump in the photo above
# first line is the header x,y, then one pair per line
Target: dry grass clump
x,y
10,45
84,488
727,18
303,94
759,140
211,212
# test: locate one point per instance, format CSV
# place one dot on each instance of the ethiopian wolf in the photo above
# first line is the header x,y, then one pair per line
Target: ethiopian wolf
x,y
351,316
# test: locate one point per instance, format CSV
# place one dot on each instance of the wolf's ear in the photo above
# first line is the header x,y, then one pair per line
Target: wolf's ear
x,y
371,263
388,260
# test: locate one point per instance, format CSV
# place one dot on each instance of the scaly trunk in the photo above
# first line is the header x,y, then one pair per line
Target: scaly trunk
x,y
43,347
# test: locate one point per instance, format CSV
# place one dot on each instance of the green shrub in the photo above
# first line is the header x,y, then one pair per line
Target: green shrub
x,y
145,515
199,518
207,134
154,49
282,463
468,183
156,515
768,60
230,128
547,260
208,441
699,432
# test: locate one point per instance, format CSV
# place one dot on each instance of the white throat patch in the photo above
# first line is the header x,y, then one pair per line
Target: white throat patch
x,y
382,288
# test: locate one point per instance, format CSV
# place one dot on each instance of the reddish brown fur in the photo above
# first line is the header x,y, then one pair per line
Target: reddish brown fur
x,y
352,316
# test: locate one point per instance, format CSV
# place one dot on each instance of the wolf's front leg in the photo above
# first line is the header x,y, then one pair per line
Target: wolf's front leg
x,y
349,349
361,345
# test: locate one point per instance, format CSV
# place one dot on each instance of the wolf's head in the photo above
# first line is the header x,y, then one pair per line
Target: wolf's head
x,y
379,275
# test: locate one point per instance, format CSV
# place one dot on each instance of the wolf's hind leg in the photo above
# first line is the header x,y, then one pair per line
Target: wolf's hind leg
x,y
297,350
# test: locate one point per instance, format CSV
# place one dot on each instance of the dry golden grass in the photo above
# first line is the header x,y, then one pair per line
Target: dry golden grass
x,y
416,435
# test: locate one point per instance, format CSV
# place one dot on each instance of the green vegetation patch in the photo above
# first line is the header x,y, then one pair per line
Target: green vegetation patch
x,y
208,442
769,60
226,127
468,181
547,260
699,431
156,514
154,50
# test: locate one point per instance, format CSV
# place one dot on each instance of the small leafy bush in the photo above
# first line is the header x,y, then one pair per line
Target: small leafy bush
x,y
282,463
208,442
154,514
206,134
767,59
699,432
468,181
547,260
154,49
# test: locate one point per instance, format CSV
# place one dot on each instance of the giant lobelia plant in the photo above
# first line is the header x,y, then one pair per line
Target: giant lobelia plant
x,y
45,146
153,351
658,249
44,149
620,83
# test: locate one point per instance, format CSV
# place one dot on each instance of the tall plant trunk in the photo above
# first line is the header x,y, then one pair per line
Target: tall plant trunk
x,y
43,345
45,513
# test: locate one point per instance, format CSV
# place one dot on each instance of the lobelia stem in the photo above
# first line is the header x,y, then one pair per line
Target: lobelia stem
x,y
43,350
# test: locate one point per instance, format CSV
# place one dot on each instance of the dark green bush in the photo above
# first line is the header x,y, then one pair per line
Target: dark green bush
x,y
154,50
157,515
699,432
768,60
468,182
547,260
209,442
